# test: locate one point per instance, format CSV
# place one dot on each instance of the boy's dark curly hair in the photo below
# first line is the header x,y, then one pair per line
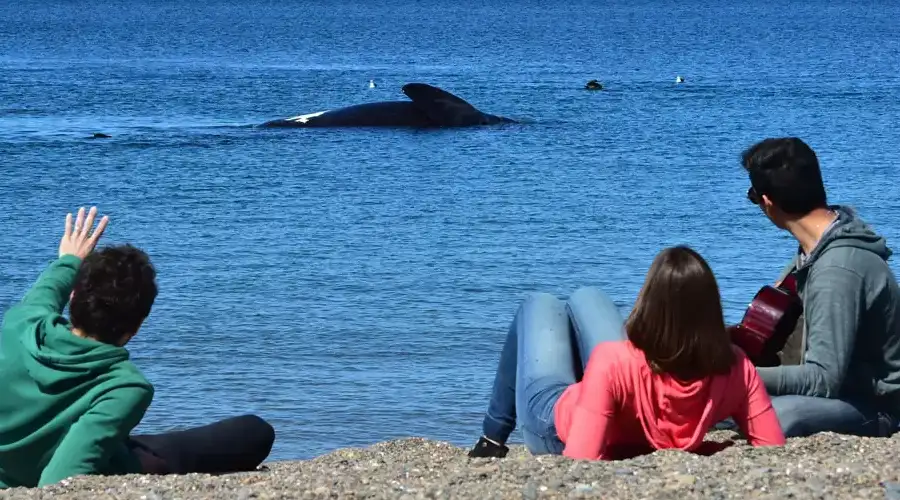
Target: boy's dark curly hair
x,y
113,293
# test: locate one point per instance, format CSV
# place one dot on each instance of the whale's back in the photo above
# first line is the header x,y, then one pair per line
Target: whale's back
x,y
373,114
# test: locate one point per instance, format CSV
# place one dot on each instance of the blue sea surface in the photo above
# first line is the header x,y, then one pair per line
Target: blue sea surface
x,y
353,286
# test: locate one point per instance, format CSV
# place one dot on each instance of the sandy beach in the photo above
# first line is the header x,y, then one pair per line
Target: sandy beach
x,y
824,466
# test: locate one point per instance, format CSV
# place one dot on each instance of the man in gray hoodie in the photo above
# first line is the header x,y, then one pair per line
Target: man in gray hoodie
x,y
848,376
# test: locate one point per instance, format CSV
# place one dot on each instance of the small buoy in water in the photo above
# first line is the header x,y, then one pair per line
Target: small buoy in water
x,y
593,85
371,84
679,79
99,135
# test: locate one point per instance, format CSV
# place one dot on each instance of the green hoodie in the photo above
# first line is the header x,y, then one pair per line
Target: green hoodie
x,y
851,333
67,404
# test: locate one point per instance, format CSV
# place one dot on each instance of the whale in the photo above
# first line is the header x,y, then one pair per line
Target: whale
x,y
428,106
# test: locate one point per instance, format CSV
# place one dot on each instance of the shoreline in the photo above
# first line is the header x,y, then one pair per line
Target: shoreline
x,y
823,466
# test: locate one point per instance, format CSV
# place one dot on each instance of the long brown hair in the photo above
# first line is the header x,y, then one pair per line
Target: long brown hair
x,y
677,319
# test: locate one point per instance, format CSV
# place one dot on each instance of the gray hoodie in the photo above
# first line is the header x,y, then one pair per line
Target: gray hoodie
x,y
852,319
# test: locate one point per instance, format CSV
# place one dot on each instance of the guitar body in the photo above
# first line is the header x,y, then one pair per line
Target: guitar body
x,y
770,321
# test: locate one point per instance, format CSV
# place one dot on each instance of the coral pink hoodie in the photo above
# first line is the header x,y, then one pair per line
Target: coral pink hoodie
x,y
621,405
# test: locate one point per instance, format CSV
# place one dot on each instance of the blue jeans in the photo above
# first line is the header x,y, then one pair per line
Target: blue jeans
x,y
546,349
806,415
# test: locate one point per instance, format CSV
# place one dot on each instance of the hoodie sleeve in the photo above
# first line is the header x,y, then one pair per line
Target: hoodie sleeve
x,y
587,435
833,306
755,416
95,437
51,291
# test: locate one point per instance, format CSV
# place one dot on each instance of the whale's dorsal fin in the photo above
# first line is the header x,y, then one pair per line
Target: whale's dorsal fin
x,y
442,107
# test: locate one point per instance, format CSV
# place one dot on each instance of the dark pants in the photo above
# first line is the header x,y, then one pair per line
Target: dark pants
x,y
232,445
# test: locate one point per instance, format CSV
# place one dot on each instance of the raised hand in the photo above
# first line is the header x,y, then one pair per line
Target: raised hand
x,y
80,241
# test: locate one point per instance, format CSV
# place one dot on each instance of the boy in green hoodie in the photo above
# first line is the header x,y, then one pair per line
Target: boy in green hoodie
x,y
848,376
70,397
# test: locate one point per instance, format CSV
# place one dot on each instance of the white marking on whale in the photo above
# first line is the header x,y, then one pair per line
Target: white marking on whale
x,y
304,118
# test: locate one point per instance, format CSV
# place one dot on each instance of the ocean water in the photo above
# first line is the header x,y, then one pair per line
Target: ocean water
x,y
353,286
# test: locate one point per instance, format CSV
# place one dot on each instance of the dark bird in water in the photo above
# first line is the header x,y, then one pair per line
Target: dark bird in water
x,y
593,85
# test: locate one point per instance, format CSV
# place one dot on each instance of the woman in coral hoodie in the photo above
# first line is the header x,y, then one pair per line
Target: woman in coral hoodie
x,y
587,386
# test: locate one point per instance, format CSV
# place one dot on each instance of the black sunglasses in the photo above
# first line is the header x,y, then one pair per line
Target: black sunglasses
x,y
753,196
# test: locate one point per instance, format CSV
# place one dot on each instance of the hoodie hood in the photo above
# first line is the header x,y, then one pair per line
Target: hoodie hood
x,y
57,358
676,414
849,231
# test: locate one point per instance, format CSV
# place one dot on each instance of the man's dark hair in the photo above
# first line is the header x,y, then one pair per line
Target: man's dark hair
x,y
787,171
113,293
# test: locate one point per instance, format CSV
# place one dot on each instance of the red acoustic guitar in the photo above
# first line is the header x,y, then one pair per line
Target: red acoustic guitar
x,y
769,320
